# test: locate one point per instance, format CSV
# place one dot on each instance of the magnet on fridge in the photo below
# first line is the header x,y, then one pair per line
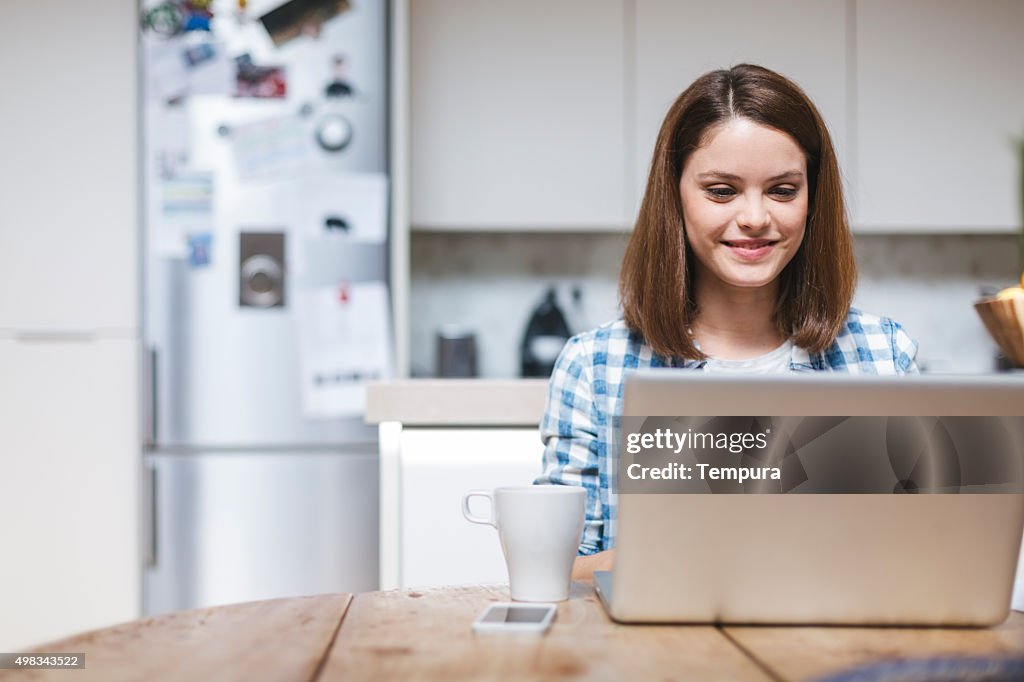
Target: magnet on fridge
x,y
259,80
301,17
333,132
199,249
261,270
339,85
165,19
198,14
336,223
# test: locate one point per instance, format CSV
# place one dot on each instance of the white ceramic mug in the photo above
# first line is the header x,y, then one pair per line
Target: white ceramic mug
x,y
540,527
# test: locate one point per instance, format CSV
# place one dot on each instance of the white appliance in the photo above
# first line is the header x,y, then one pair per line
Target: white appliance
x,y
249,496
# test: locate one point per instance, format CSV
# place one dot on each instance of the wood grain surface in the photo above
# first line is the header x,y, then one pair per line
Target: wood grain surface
x,y
804,653
427,635
280,639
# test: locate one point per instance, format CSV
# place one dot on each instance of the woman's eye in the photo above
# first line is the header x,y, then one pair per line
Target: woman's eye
x,y
720,192
784,192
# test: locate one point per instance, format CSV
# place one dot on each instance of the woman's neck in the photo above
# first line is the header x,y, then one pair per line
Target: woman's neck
x,y
736,323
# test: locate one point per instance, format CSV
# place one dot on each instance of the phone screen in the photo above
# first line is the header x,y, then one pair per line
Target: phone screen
x,y
515,614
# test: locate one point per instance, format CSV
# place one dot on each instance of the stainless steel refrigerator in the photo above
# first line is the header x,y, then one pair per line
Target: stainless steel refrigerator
x,y
265,152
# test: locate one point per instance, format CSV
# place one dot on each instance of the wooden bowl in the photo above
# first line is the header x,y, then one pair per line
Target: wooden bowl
x,y
1004,319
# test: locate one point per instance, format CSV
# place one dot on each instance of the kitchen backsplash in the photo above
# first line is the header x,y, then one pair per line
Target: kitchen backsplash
x,y
491,282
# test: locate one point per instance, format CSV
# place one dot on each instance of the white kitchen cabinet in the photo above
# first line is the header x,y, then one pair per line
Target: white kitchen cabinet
x,y
518,114
675,42
437,467
68,213
939,98
69,487
69,395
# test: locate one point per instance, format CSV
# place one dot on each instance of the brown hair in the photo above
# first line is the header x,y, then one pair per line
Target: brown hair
x,y
656,280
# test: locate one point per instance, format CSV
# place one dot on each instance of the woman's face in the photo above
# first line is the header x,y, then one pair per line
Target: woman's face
x,y
744,195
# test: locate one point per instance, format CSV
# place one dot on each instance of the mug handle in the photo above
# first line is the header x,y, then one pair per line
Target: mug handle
x,y
489,521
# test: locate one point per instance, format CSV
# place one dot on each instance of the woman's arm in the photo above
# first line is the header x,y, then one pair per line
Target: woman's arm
x,y
584,566
570,433
904,350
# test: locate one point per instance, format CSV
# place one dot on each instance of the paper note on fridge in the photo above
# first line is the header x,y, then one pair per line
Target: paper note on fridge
x,y
278,146
167,71
177,68
186,209
350,207
345,342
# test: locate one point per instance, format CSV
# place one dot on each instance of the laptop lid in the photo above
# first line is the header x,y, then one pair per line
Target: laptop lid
x,y
865,558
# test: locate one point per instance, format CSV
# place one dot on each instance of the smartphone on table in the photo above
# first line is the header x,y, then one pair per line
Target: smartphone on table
x,y
512,617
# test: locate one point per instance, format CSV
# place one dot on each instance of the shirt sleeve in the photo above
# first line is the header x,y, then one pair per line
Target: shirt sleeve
x,y
904,350
570,435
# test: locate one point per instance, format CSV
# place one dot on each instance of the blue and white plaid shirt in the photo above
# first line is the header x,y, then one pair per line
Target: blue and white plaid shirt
x,y
584,403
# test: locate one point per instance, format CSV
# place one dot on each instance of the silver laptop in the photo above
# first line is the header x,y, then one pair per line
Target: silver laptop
x,y
873,559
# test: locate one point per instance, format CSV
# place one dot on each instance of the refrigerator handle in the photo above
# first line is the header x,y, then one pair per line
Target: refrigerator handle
x,y
151,373
151,516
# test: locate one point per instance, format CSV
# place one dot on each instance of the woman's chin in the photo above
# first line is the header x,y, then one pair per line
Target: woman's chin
x,y
749,278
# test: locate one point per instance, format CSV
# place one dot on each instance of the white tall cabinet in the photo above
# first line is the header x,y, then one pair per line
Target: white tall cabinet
x,y
69,319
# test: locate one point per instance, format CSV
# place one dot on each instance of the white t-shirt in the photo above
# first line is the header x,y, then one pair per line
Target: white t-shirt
x,y
770,363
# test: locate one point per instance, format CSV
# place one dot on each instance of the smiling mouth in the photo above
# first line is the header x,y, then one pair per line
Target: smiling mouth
x,y
750,244
751,250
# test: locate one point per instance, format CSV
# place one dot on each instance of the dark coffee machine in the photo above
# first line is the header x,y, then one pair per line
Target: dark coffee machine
x,y
546,334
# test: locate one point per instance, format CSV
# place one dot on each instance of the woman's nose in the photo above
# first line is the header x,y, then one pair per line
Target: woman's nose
x,y
753,214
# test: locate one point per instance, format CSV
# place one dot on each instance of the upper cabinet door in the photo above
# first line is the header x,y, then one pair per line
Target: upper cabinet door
x,y
675,42
517,114
68,164
940,95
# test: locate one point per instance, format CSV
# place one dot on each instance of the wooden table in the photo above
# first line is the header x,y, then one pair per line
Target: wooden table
x,y
426,635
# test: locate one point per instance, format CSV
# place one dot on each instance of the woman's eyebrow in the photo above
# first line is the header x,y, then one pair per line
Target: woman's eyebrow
x,y
788,174
717,174
732,176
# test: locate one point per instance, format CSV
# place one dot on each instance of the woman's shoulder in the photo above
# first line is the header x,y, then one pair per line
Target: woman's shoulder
x,y
612,343
873,329
873,344
603,356
613,331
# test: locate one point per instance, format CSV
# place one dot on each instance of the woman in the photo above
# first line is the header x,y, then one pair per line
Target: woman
x,y
740,261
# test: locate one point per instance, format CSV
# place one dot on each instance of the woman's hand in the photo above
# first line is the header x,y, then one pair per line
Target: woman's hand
x,y
584,566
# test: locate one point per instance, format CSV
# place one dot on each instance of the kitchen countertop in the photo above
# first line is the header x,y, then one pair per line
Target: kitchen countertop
x,y
461,402
457,402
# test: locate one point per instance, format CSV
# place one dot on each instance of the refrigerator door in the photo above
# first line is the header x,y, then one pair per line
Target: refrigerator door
x,y
225,376
222,324
234,527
